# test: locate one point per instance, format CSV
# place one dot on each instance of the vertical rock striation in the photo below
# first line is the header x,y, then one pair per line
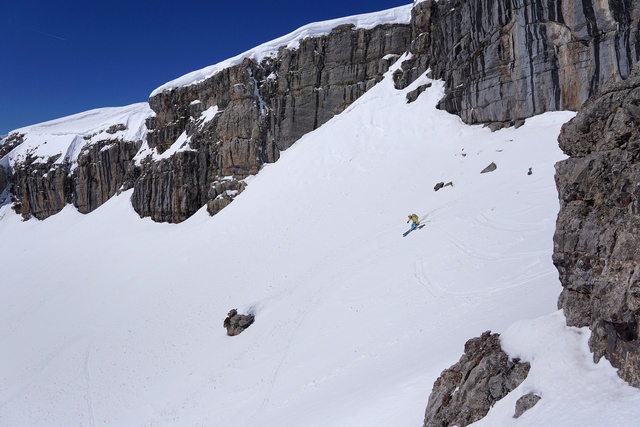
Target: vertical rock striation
x,y
502,60
42,188
204,139
83,160
260,109
597,238
103,169
506,60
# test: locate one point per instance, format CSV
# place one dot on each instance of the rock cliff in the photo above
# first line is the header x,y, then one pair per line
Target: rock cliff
x,y
83,160
245,115
597,238
502,61
204,139
506,60
44,188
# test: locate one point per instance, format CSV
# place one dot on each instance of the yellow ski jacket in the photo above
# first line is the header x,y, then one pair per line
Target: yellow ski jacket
x,y
414,218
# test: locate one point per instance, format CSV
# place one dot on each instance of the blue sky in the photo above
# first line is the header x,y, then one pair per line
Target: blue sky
x,y
60,57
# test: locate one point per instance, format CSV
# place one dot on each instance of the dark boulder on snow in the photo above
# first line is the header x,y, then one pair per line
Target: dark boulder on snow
x,y
465,392
525,403
440,185
492,167
597,237
237,323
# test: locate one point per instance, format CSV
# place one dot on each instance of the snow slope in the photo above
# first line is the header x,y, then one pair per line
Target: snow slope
x,y
112,320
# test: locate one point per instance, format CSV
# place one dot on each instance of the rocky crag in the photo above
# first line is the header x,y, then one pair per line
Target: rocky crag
x,y
464,393
261,108
506,60
205,138
50,166
502,61
597,238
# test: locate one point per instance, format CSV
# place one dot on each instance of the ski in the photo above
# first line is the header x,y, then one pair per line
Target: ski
x,y
411,229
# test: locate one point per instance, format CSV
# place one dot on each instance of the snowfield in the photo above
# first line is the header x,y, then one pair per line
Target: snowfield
x,y
112,320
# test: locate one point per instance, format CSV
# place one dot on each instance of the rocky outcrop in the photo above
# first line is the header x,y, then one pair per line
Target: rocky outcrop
x,y
43,185
502,61
236,323
3,179
597,238
101,171
507,60
259,109
525,403
206,138
465,392
42,188
10,142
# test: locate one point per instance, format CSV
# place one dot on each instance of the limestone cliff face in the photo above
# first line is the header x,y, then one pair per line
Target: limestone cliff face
x,y
259,109
101,171
83,160
502,61
597,238
204,139
506,60
44,188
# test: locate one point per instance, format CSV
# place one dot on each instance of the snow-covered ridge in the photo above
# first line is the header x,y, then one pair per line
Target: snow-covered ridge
x,y
398,15
65,137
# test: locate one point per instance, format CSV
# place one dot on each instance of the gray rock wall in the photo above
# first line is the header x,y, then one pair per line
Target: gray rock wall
x,y
597,238
263,109
3,179
102,170
502,61
506,60
42,188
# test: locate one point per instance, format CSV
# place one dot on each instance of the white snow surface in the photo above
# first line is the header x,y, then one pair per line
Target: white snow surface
x,y
397,15
65,137
112,320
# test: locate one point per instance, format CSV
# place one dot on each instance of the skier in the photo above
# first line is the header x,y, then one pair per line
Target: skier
x,y
414,221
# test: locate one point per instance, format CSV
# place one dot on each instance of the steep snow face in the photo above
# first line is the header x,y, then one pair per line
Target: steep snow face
x,y
401,15
65,137
108,319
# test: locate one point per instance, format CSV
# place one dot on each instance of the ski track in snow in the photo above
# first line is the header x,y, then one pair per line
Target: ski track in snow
x,y
87,374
